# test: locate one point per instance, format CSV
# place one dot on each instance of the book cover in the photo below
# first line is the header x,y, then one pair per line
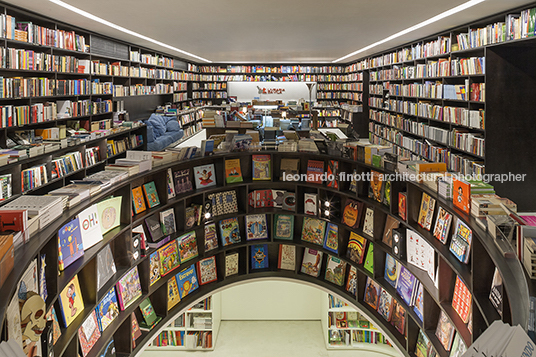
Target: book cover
x,y
458,346
420,253
312,262
398,317
385,305
207,270
229,231
70,244
335,270
386,195
105,266
392,269
71,302
148,313
372,293
461,192
167,221
287,257
182,181
331,239
261,166
289,201
418,304
108,309
390,224
151,194
256,227
277,198
333,174
174,296
445,331
356,248
51,316
313,230
289,168
368,223
351,282
190,217
402,205
88,333
205,176
461,300
109,213
423,343
369,259
170,185
310,205
231,264
353,182
169,257
154,228
233,173
352,213
315,171
405,285
90,227
460,244
376,186
154,268
284,226
426,211
138,202
187,281
442,225
259,256
211,237
136,332
128,288
496,292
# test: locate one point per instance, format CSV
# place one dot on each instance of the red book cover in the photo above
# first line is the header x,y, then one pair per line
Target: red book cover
x,y
402,205
136,332
89,333
13,220
461,195
333,174
461,300
315,171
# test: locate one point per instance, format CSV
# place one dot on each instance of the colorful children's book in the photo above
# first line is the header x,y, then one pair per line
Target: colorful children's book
x,y
445,331
182,181
229,231
310,204
313,230
402,205
426,211
331,239
128,288
442,225
174,296
369,259
138,202
261,167
423,344
207,270
150,319
461,195
386,195
231,264
356,248
88,333
136,332
205,176
405,285
315,171
256,227
56,330
352,213
390,224
460,245
109,213
108,309
167,221
392,269
333,174
376,186
385,305
233,173
71,302
90,227
312,262
211,237
259,256
187,246
187,281
154,268
398,317
169,257
151,194
461,300
372,293
170,185
418,303
351,282
283,226
335,270
70,244
368,223
458,346
287,257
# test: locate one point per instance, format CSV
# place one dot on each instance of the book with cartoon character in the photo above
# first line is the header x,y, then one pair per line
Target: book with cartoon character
x,y
107,309
204,176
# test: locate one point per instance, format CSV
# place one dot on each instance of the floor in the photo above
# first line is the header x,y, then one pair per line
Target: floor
x,y
268,339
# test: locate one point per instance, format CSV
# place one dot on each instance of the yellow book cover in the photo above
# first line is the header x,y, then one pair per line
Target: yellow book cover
x,y
71,301
174,296
137,200
233,172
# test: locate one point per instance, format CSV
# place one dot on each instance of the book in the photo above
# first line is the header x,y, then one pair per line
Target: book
x,y
211,237
90,227
392,269
496,292
109,213
289,201
277,198
315,171
70,244
418,303
442,225
353,182
167,221
173,294
128,288
372,293
461,300
190,214
261,166
187,246
386,194
150,319
283,226
333,174
310,204
233,173
402,205
368,223
398,317
376,186
461,192
170,185
259,256
136,332
108,309
420,253
391,223
182,181
405,285
423,344
256,227
287,257
138,202
71,302
154,228
385,304
458,346
356,248
351,282
313,230
207,270
229,231
460,244
51,316
426,211
331,238
289,168
205,176
231,264
445,331
335,270
369,259
154,268
169,257
312,262
88,333
352,213
151,194
105,266
187,281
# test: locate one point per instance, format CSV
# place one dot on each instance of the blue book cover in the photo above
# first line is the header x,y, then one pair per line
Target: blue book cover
x,y
392,268
230,231
70,243
187,281
405,285
331,239
418,307
259,256
108,309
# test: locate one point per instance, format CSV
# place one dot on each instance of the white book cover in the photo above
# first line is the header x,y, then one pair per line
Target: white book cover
x,y
90,227
420,253
368,224
14,330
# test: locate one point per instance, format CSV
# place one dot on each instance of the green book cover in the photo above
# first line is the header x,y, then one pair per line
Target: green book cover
x,y
284,226
233,172
109,213
369,260
148,313
532,14
376,160
151,195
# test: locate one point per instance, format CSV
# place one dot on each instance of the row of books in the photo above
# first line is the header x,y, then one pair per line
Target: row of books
x,y
350,338
267,69
147,58
209,95
102,68
341,86
438,90
209,86
272,78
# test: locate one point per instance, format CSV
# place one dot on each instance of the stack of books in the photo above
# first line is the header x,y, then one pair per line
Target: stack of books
x,y
44,208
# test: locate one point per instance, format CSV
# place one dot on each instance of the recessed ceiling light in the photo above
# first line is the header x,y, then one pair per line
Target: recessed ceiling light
x,y
431,20
120,28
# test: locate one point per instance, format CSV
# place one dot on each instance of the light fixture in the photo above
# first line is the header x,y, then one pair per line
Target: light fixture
x,y
431,20
327,204
326,213
127,31
207,215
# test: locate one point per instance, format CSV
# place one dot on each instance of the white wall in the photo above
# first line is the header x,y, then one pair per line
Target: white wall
x,y
247,91
271,300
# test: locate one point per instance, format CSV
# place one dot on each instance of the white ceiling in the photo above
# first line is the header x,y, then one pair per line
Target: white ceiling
x,y
268,31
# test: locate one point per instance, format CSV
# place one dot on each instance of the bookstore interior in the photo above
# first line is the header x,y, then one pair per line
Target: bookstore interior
x,y
151,195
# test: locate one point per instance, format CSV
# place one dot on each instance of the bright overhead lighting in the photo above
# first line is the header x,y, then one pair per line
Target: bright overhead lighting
x,y
415,27
117,27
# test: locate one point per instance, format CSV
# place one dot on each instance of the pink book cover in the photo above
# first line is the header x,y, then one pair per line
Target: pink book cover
x,y
89,333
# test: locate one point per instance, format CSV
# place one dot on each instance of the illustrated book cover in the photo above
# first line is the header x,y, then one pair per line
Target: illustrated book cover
x,y
109,213
207,270
138,202
315,171
461,195
71,302
108,309
174,296
70,244
90,227
169,257
496,292
335,270
390,224
283,226
182,181
351,282
460,244
205,176
445,331
154,267
256,227
398,317
462,300
405,285
229,231
333,174
426,211
372,293
356,248
392,269
313,230
331,238
402,205
261,165
368,223
385,304
442,225
128,288
312,262
105,266
151,194
187,246
167,221
231,264
352,213
233,173
187,281
310,204
259,256
369,259
211,237
287,257
88,333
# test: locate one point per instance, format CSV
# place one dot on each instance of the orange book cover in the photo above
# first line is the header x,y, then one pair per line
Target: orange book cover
x,y
461,195
461,300
137,200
